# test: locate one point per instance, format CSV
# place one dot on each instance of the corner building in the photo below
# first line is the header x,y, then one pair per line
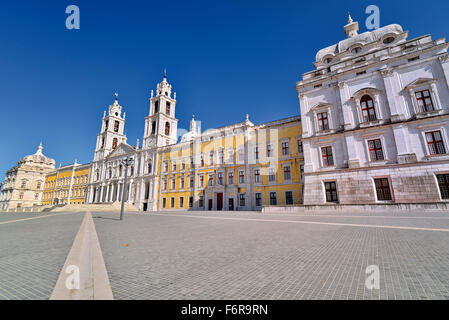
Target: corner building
x,y
237,167
375,120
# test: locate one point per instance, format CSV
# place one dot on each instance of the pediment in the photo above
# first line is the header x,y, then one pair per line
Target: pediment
x,y
365,91
321,105
420,82
122,149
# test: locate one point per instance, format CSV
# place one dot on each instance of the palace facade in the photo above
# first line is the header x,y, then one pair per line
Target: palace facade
x,y
375,119
236,167
66,185
24,183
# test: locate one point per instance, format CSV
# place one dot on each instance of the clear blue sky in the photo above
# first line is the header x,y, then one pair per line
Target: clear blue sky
x,y
224,59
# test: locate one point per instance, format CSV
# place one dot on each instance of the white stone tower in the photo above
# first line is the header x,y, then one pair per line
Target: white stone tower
x,y
161,126
112,131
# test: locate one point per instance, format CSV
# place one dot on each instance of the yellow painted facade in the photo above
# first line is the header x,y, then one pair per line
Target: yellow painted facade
x,y
66,184
213,173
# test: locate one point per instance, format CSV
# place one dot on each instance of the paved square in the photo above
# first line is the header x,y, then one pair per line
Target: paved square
x,y
33,249
242,255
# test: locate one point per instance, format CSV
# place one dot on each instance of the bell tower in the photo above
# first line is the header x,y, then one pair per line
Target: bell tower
x,y
112,128
161,126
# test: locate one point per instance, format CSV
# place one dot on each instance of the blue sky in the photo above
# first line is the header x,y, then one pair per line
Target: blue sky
x,y
223,58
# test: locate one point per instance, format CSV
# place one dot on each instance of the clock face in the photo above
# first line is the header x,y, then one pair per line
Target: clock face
x,y
151,142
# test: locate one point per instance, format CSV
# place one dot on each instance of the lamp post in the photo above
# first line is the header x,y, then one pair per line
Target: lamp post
x,y
126,162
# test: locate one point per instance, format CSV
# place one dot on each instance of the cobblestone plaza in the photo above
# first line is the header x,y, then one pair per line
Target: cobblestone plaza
x,y
244,255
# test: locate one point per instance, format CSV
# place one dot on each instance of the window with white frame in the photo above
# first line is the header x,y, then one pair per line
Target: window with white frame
x,y
164,184
322,121
220,178
221,156
231,177
201,181
271,174
183,164
273,199
299,143
424,96
231,156
173,183
211,158
174,165
181,183
211,179
256,153
269,151
241,176
287,173
242,200
285,147
257,175
241,154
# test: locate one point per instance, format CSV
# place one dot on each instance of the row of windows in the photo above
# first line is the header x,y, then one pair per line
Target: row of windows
x,y
258,200
24,184
383,189
434,142
220,180
368,111
76,192
65,181
285,149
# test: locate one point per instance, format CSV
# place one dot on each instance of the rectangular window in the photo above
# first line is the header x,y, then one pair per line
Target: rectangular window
x,y
257,175
116,126
181,202
256,153
424,101
242,199
323,123
287,173
191,182
271,174
326,154
269,151
173,183
231,156
211,158
182,183
164,203
382,189
166,166
242,176
202,160
211,180
172,202
201,201
435,142
258,199
300,146
220,178
285,148
241,155
221,156
273,199
331,191
201,181
164,185
174,166
190,202
231,177
191,163
288,197
443,183
375,150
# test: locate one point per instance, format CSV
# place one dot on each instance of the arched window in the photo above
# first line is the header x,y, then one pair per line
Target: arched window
x,y
114,143
153,127
167,129
368,111
156,106
167,108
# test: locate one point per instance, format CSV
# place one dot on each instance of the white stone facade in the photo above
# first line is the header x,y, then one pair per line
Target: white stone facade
x,y
378,103
24,184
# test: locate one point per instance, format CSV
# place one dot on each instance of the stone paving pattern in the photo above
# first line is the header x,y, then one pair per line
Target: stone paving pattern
x,y
171,256
33,252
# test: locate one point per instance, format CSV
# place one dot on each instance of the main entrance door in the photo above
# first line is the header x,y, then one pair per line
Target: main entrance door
x,y
231,204
219,201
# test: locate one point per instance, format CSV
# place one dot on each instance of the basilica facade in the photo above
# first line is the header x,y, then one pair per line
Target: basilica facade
x,y
237,167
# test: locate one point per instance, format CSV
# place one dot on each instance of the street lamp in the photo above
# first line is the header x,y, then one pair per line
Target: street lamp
x,y
128,161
